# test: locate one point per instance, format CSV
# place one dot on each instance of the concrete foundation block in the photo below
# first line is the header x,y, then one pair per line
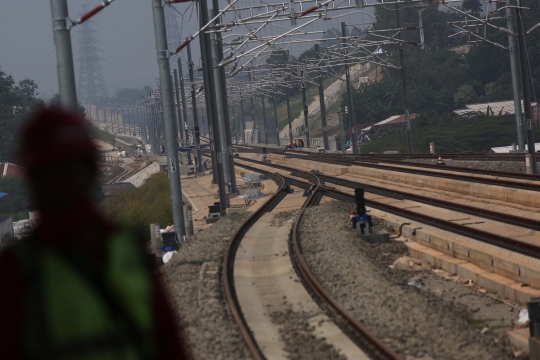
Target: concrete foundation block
x,y
379,237
470,271
534,348
519,340
240,210
449,263
497,284
524,293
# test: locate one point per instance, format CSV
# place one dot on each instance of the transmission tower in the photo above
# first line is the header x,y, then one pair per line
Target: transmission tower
x,y
92,89
173,35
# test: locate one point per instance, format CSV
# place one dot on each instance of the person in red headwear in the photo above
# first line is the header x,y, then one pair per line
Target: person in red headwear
x,y
80,287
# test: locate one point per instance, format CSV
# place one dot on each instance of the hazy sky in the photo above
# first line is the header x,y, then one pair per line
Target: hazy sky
x,y
126,38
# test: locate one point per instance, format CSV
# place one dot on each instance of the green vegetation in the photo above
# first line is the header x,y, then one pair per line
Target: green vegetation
x,y
439,79
459,134
138,208
295,102
55,100
17,203
103,135
16,102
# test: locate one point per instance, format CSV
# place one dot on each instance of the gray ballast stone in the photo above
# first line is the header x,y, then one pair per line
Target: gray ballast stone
x,y
410,320
379,237
192,278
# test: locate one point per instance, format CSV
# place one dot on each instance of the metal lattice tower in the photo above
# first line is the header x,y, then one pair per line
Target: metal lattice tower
x,y
91,87
173,35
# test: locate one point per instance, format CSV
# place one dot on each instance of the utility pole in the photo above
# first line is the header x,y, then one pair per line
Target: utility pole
x,y
342,133
321,101
515,71
234,126
171,142
178,105
123,120
404,84
209,121
64,54
255,125
213,123
289,115
352,117
197,135
526,87
242,121
264,120
304,102
184,111
227,150
277,122
91,88
220,107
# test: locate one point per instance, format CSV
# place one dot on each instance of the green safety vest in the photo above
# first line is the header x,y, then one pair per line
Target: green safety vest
x,y
73,310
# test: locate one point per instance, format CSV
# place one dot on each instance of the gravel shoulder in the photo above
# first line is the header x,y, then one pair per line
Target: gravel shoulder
x,y
421,315
192,278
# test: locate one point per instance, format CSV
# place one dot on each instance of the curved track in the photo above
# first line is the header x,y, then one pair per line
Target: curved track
x,y
374,346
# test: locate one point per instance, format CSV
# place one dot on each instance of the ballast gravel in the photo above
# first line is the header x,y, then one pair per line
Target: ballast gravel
x,y
299,338
493,165
417,324
192,278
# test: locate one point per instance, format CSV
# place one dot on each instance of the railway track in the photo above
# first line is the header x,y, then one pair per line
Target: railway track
x,y
455,156
523,247
389,163
242,309
353,160
503,179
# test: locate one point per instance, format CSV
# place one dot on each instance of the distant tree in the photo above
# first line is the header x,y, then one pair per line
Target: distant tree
x,y
129,96
464,95
494,92
473,6
55,100
16,102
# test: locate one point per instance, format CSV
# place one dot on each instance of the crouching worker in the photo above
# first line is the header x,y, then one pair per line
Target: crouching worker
x,y
79,287
361,213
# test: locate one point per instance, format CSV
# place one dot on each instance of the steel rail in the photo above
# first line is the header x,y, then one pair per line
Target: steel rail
x,y
227,266
401,195
447,175
486,237
309,280
534,177
471,210
297,257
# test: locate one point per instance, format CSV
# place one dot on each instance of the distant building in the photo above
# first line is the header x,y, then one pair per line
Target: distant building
x,y
9,169
392,121
496,108
507,149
